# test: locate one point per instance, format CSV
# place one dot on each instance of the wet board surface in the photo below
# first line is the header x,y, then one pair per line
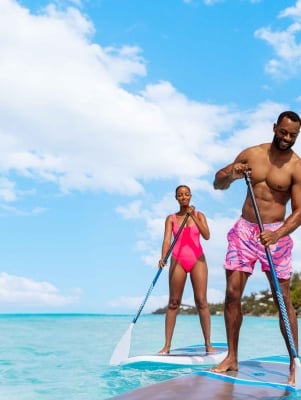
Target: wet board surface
x,y
190,355
258,379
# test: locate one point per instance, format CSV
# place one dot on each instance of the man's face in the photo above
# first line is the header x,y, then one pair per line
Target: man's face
x,y
285,134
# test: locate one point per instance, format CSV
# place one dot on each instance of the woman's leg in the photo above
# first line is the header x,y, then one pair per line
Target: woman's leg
x,y
199,277
177,279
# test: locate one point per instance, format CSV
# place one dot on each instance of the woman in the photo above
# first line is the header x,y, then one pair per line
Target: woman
x,y
187,257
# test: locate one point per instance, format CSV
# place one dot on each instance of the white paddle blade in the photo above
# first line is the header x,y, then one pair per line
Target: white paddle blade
x,y
122,350
297,373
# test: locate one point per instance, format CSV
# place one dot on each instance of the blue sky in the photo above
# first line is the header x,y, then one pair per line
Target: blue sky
x,y
108,105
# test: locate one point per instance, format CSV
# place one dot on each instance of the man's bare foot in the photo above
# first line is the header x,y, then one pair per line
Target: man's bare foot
x,y
164,351
226,365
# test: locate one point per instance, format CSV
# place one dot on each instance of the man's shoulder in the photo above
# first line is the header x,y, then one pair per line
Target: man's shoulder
x,y
296,170
258,147
296,164
296,157
264,146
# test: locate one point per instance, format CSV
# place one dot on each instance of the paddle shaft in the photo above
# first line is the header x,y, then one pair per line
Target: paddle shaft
x,y
273,271
160,269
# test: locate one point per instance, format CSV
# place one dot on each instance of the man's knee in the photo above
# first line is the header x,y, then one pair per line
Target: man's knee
x,y
232,295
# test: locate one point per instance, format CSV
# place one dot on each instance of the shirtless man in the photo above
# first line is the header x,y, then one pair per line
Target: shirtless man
x,y
276,180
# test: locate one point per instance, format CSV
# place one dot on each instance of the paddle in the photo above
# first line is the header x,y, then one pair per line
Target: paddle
x,y
277,288
122,349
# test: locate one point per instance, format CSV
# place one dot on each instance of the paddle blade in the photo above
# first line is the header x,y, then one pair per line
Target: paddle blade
x,y
297,373
122,350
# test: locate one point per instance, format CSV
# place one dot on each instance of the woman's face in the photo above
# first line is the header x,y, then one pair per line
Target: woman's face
x,y
183,195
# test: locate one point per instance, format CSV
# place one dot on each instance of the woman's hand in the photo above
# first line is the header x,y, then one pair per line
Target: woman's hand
x,y
161,263
191,210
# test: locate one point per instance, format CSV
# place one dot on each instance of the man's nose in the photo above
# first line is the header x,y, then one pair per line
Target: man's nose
x,y
289,136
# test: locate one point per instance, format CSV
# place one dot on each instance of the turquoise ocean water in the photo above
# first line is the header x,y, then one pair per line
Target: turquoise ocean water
x,y
60,357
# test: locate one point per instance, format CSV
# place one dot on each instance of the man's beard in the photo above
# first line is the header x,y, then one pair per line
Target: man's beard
x,y
276,142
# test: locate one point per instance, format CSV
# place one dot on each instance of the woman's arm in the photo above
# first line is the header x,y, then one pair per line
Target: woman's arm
x,y
166,239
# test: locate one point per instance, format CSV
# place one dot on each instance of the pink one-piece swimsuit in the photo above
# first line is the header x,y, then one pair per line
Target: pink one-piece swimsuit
x,y
187,249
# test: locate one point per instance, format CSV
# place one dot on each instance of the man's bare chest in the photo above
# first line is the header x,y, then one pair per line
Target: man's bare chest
x,y
275,177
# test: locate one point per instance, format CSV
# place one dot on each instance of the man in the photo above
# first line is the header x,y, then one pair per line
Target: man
x,y
276,180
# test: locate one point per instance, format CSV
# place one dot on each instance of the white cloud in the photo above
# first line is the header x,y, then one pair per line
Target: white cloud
x,y
286,44
132,210
24,292
294,11
67,119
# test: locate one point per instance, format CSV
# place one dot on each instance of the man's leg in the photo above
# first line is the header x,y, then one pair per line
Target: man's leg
x,y
236,282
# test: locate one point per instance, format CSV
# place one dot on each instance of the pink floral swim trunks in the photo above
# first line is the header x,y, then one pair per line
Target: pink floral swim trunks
x,y
244,249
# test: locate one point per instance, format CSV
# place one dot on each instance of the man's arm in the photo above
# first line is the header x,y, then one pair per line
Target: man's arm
x,y
225,176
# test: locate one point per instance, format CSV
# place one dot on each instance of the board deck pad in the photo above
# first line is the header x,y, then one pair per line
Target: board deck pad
x,y
191,355
257,379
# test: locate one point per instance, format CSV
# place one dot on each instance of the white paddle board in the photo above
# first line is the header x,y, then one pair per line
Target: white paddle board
x,y
190,355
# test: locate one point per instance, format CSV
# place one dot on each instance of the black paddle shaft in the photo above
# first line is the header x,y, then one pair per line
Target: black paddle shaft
x,y
278,290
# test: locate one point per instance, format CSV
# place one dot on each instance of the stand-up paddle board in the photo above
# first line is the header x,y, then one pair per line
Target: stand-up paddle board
x,y
257,379
191,355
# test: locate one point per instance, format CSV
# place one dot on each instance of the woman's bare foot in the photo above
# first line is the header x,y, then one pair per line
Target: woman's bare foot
x,y
291,378
164,351
228,364
210,349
